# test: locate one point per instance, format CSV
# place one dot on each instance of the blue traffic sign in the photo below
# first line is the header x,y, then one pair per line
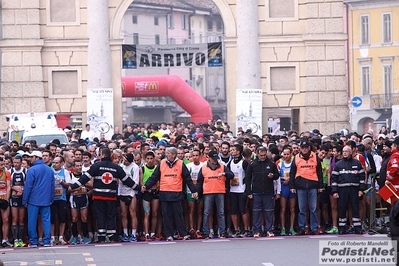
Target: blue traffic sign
x,y
357,101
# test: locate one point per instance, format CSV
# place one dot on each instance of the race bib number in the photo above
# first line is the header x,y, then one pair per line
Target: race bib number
x,y
3,195
58,191
80,191
235,181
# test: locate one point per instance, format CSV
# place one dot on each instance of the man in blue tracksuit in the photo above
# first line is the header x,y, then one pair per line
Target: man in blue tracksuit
x,y
38,196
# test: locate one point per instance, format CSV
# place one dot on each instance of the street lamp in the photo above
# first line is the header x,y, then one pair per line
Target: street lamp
x,y
217,91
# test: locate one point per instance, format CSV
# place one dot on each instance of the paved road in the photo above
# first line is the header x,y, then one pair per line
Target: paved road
x,y
277,251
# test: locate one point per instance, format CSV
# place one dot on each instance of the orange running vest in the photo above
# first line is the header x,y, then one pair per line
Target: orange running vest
x,y
171,178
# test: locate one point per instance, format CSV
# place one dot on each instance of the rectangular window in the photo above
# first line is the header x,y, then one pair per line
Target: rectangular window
x,y
387,80
135,38
192,37
157,39
365,82
172,41
200,37
170,21
364,30
184,22
210,25
386,28
156,21
134,19
219,26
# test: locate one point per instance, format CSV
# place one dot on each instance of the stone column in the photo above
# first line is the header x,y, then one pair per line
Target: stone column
x,y
99,52
248,65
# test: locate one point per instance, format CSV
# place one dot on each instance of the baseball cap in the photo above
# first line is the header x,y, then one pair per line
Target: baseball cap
x,y
382,136
36,153
213,154
305,143
388,143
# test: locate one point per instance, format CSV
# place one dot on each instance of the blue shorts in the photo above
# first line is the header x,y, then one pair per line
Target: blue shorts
x,y
285,191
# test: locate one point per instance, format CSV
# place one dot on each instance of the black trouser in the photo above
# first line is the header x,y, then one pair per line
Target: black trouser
x,y
172,211
348,195
105,211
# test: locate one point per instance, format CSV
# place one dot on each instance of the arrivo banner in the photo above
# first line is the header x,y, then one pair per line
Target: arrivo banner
x,y
172,56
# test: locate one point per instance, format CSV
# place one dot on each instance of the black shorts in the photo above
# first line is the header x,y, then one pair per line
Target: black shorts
x,y
16,203
59,205
126,199
149,196
79,202
325,195
237,202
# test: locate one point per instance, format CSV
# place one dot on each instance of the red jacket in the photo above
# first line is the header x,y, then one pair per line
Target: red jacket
x,y
393,169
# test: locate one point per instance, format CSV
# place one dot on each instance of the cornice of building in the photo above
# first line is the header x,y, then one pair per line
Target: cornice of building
x,y
370,4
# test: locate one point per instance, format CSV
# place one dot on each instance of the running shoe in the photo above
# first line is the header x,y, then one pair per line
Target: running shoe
x,y
223,235
205,236
52,242
198,235
73,241
61,241
125,238
159,236
333,230
257,235
169,239
307,230
300,232
246,233
6,244
16,243
320,230
192,232
40,242
187,237
86,240
147,237
283,233
132,238
32,246
292,232
269,234
211,234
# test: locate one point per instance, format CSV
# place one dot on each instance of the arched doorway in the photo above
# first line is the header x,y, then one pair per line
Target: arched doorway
x,y
367,125
213,89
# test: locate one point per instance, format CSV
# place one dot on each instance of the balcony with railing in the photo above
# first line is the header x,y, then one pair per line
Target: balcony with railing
x,y
383,101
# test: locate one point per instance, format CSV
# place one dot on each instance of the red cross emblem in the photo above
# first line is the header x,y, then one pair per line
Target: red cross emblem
x,y
107,178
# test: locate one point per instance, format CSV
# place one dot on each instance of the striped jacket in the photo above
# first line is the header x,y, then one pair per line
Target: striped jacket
x,y
348,172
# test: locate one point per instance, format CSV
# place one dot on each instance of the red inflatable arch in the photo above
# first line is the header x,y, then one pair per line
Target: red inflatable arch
x,y
172,86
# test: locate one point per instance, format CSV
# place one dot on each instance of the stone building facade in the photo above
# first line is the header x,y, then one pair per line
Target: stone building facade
x,y
302,60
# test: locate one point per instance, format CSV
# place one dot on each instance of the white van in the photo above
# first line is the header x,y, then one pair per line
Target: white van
x,y
44,136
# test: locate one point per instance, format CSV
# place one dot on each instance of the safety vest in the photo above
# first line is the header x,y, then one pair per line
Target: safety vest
x,y
212,183
306,169
171,178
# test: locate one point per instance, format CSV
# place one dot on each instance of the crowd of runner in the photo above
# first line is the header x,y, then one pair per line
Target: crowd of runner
x,y
234,184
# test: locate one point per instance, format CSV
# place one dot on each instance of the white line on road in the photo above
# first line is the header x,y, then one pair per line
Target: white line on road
x,y
215,240
323,236
23,263
89,259
269,238
58,262
108,245
267,264
161,243
58,247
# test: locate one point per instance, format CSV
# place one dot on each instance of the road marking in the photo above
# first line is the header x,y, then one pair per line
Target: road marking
x,y
58,247
89,259
323,236
86,254
161,243
23,263
215,240
269,238
57,262
108,245
91,265
268,264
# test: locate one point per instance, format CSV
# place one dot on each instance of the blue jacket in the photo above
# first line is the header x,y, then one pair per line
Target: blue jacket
x,y
39,185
